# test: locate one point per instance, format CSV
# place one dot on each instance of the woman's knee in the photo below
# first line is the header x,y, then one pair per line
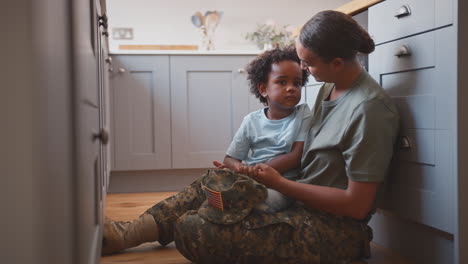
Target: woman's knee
x,y
201,241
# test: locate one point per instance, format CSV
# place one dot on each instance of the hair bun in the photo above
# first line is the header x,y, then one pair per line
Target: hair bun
x,y
367,44
332,34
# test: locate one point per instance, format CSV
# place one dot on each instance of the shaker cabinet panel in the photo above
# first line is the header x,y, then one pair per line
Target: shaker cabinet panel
x,y
209,98
141,113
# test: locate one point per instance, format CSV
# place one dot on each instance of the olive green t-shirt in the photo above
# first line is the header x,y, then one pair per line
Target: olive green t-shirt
x,y
351,137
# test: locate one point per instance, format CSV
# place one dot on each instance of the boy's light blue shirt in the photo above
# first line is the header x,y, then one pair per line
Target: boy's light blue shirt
x,y
266,139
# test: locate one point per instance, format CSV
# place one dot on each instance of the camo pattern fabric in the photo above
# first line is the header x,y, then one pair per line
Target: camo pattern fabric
x,y
295,235
166,212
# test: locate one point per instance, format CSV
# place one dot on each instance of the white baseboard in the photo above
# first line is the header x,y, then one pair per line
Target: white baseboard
x,y
414,241
152,181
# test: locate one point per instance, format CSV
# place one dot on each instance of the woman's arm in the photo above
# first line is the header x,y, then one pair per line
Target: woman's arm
x,y
288,161
356,201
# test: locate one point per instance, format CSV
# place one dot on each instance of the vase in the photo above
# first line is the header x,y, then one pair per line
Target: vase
x,y
207,38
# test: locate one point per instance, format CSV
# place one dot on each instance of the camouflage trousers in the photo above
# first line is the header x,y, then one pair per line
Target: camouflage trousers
x,y
295,235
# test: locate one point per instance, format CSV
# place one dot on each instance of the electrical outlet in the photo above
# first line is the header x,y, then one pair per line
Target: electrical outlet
x,y
122,33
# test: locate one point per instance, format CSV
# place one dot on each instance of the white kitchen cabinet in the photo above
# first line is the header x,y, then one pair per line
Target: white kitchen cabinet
x,y
419,62
141,128
52,131
209,99
179,111
418,71
174,111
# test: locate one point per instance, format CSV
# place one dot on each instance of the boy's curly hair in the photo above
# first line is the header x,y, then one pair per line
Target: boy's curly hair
x,y
259,69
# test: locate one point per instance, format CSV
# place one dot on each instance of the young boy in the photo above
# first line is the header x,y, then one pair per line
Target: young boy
x,y
275,134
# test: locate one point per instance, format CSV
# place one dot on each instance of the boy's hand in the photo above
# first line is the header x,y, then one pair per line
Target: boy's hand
x,y
219,165
262,173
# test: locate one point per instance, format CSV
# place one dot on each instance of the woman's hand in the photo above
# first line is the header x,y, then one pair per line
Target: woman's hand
x,y
263,174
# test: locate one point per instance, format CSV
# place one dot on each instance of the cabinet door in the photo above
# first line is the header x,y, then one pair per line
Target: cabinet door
x,y
87,110
210,97
140,113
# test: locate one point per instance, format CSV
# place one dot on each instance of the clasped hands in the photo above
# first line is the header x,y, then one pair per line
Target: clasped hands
x,y
261,172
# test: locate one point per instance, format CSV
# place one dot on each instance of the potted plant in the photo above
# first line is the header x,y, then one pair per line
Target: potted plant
x,y
269,35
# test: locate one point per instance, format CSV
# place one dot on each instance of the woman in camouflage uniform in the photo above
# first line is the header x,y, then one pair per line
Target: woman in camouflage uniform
x,y
345,159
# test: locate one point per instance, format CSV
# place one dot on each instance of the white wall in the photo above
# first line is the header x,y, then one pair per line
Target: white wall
x,y
162,22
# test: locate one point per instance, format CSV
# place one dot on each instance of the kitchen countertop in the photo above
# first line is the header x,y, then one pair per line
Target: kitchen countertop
x,y
357,6
351,8
186,52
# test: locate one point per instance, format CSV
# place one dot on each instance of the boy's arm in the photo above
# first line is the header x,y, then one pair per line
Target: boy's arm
x,y
281,163
288,161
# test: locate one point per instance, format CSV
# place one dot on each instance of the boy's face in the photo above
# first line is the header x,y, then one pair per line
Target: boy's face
x,y
283,88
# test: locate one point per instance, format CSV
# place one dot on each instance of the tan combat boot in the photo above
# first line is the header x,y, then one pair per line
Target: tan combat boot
x,y
119,235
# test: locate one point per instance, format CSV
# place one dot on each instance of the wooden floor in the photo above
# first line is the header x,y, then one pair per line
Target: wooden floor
x,y
129,206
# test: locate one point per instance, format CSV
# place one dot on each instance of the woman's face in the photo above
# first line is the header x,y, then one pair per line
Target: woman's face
x,y
322,72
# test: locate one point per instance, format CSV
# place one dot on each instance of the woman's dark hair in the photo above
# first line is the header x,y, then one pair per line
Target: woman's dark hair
x,y
332,34
259,69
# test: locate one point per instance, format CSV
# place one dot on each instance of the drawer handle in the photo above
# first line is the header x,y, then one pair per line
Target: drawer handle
x,y
403,51
403,11
405,142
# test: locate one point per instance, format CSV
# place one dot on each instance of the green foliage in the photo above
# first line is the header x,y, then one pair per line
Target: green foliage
x,y
267,34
